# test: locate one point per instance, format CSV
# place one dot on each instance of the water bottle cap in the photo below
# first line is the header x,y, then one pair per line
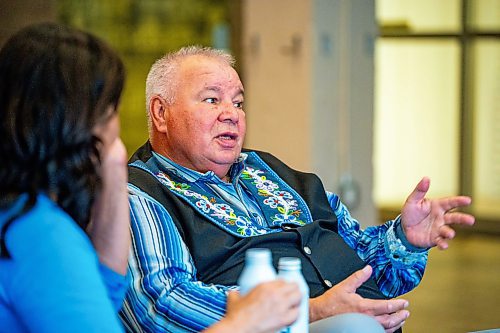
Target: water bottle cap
x,y
258,254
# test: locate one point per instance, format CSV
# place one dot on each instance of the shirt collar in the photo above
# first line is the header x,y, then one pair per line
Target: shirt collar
x,y
194,176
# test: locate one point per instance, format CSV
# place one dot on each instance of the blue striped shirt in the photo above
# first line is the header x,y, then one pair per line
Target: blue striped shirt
x,y
165,295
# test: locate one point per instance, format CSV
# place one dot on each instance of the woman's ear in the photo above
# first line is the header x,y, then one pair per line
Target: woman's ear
x,y
157,113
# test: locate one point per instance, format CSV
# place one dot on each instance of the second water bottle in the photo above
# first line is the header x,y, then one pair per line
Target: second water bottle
x,y
290,269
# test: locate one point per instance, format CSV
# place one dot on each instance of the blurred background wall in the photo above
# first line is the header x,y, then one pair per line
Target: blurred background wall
x,y
371,95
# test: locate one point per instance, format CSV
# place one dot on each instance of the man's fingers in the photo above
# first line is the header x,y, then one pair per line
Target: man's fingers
x,y
356,279
395,328
442,244
458,218
445,232
391,322
420,191
391,314
377,307
450,203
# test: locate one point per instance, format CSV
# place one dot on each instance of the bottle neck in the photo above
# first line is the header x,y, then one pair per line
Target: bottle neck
x,y
289,264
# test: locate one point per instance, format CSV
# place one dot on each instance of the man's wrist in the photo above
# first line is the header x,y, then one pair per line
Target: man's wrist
x,y
401,253
314,310
400,234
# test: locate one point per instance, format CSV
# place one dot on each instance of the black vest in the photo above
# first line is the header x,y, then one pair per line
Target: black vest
x,y
219,256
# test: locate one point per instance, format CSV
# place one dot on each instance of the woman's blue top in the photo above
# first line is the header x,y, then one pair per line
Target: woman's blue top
x,y
53,281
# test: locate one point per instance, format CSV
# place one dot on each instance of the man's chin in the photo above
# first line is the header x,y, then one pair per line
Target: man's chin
x,y
227,157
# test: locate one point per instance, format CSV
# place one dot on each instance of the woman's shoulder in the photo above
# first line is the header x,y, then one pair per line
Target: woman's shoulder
x,y
48,228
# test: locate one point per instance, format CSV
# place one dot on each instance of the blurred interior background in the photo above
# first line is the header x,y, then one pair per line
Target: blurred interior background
x,y
371,95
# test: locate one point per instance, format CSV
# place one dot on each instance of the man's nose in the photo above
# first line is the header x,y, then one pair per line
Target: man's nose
x,y
229,113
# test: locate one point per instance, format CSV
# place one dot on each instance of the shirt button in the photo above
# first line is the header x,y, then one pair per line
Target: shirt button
x,y
307,250
328,283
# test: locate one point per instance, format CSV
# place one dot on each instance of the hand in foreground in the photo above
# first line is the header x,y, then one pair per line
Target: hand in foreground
x,y
427,222
265,309
109,229
342,298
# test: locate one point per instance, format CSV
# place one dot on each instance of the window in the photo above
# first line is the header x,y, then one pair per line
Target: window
x,y
437,106
142,31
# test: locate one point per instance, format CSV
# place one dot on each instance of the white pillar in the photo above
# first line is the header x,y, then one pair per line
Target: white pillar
x,y
308,75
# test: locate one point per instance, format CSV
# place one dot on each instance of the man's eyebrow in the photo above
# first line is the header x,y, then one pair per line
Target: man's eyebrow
x,y
208,89
212,88
218,89
239,92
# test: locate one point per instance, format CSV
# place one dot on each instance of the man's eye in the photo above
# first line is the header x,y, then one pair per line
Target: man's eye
x,y
238,105
211,100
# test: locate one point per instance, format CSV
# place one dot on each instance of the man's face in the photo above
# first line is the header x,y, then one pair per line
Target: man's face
x,y
206,122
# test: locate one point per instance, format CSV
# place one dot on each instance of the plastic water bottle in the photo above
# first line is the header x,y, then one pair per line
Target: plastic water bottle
x,y
258,268
290,269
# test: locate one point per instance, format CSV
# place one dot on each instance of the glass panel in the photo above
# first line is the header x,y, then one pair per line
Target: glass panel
x,y
419,16
487,127
142,31
416,118
485,14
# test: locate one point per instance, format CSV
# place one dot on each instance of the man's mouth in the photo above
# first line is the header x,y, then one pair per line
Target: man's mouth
x,y
227,136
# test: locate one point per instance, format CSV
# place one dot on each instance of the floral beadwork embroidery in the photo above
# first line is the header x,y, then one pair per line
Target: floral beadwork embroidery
x,y
275,198
210,207
278,203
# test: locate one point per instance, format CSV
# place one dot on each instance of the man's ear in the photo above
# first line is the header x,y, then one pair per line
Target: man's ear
x,y
157,113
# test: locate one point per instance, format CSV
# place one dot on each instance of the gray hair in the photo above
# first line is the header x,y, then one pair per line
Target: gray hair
x,y
161,80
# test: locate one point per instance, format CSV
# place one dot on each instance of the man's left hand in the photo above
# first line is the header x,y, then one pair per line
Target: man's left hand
x,y
427,222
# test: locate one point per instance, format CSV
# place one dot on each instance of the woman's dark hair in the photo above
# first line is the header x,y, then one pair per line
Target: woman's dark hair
x,y
56,84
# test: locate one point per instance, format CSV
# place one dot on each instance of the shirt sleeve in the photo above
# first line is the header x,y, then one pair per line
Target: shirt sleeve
x,y
116,285
165,294
398,266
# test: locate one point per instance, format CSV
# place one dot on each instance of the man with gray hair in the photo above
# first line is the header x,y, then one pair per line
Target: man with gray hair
x,y
198,202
